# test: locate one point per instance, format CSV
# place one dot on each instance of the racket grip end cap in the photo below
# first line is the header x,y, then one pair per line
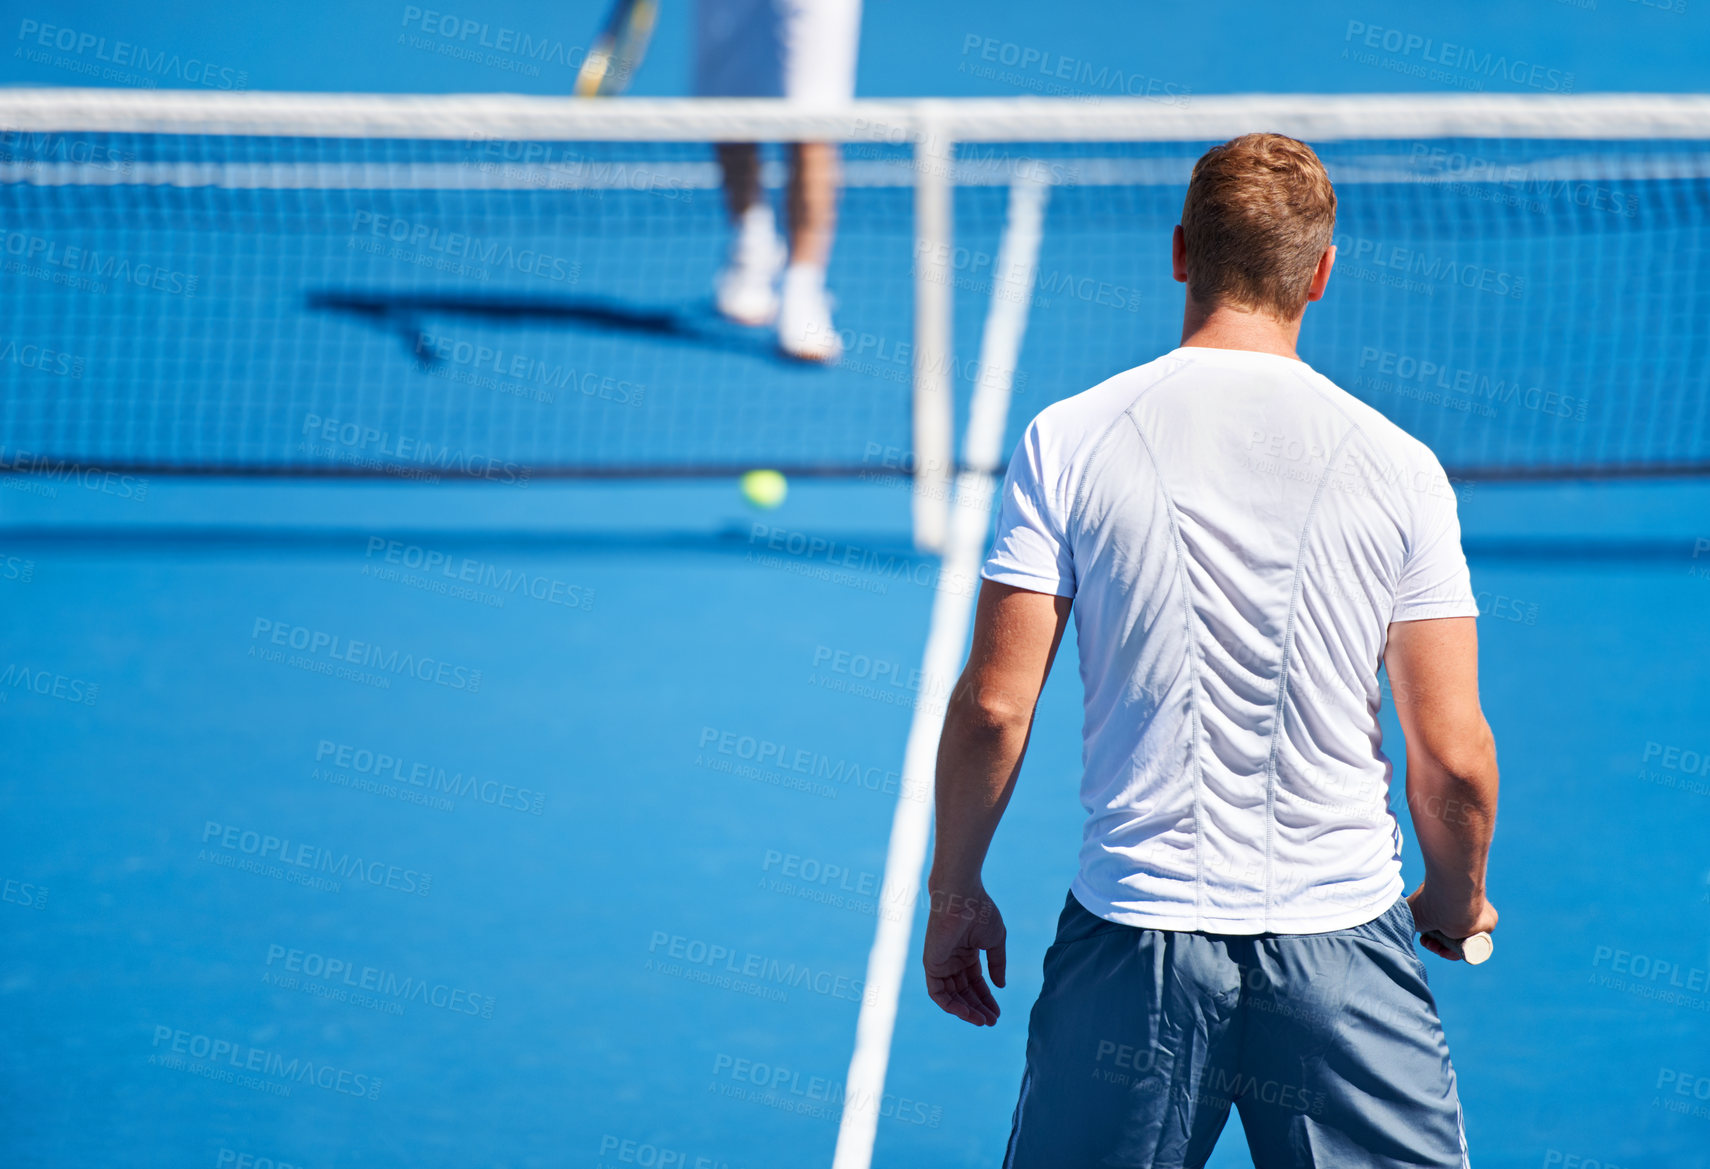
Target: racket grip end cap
x,y
1473,950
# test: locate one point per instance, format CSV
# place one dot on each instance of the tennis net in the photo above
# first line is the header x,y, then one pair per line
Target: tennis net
x,y
506,287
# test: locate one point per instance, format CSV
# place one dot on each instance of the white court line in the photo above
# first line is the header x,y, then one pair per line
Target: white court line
x,y
946,640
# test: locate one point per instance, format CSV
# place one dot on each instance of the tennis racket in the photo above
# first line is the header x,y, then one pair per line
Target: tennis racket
x,y
618,50
1473,950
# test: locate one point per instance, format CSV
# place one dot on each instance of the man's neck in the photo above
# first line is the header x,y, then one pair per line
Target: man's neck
x,y
1233,328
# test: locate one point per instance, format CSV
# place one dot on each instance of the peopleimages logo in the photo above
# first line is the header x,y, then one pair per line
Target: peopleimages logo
x,y
285,961
123,54
471,37
382,766
668,949
24,894
631,1151
78,267
819,1096
40,358
48,684
1470,384
804,762
554,166
314,643
134,487
1643,966
882,567
1682,759
457,245
481,573
233,1159
30,148
242,1057
1458,63
371,442
1471,174
526,368
1041,69
1385,257
312,858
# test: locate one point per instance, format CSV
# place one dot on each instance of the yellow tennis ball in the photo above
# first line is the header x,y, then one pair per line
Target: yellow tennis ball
x,y
765,489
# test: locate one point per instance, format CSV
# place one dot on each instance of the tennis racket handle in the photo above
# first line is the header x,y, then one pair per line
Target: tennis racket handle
x,y
1473,950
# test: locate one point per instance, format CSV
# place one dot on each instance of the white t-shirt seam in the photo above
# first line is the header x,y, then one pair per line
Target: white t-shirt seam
x,y
1282,676
1193,650
1412,503
1459,606
1069,518
1002,575
1092,457
1314,381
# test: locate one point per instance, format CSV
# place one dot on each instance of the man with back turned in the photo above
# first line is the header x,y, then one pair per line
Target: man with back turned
x,y
1243,545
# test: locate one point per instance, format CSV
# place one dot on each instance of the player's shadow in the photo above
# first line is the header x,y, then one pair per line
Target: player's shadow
x,y
405,316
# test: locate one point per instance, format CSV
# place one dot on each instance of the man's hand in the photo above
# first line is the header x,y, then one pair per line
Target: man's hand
x,y
961,924
1431,912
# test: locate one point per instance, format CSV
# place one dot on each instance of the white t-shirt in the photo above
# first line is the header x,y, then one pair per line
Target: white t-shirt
x,y
1238,533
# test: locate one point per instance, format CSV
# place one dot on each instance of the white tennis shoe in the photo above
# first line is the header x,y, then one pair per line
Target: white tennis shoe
x,y
805,331
745,289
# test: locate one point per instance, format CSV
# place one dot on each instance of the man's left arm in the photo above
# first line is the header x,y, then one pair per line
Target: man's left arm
x,y
986,727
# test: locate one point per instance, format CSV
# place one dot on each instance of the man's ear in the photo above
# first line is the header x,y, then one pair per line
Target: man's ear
x,y
1178,255
1320,274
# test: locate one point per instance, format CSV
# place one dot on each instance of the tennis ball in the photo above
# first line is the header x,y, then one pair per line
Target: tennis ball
x,y
765,489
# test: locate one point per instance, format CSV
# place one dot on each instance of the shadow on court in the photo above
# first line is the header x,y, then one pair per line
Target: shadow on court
x,y
403,314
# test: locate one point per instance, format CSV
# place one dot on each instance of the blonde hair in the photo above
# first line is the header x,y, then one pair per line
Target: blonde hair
x,y
1259,213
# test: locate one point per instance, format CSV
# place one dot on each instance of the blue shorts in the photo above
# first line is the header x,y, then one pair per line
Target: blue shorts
x,y
1327,1044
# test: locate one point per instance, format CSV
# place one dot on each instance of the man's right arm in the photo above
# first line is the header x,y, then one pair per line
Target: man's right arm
x,y
1451,771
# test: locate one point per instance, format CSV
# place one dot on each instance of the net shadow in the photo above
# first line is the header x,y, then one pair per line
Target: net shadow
x,y
315,540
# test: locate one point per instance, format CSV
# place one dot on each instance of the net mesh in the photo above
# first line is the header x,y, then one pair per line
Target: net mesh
x,y
497,307
1523,307
484,308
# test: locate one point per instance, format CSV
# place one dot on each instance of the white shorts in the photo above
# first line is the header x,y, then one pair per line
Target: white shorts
x,y
803,50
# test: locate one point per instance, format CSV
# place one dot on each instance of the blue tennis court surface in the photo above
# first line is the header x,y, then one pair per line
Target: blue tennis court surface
x,y
528,823
601,864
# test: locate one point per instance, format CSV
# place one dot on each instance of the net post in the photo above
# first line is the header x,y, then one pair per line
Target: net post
x,y
934,427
